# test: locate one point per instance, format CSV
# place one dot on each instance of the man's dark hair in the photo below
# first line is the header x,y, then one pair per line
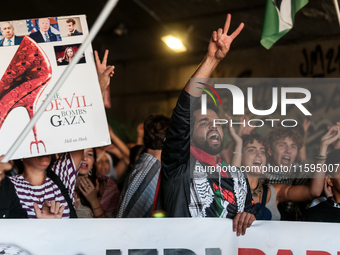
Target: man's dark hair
x,y
155,127
135,152
196,107
71,20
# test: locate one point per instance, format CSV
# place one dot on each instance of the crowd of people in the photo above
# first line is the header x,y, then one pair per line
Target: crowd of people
x,y
161,174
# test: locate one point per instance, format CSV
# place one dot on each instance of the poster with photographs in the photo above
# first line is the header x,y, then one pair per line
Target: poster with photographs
x,y
35,53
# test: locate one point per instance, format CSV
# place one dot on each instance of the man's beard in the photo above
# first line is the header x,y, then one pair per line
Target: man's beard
x,y
208,148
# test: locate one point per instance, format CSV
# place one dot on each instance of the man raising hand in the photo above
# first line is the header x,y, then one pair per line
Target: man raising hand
x,y
186,191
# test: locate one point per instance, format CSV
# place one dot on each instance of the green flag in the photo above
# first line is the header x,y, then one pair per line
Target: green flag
x,y
278,19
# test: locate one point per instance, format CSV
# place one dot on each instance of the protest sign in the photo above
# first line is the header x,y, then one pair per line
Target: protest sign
x,y
75,119
167,236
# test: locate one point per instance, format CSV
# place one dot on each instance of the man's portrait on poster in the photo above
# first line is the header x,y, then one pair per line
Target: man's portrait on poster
x,y
44,33
71,27
7,30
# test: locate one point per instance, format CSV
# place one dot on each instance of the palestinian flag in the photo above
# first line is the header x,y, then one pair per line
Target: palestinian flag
x,y
278,19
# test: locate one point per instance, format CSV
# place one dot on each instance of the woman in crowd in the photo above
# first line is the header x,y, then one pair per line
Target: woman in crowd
x,y
10,206
38,182
105,162
104,72
97,194
252,156
41,185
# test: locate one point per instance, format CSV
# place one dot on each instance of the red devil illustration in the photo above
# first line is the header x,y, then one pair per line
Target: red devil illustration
x,y
23,82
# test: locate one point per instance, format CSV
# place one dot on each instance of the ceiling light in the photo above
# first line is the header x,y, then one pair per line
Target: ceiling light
x,y
174,43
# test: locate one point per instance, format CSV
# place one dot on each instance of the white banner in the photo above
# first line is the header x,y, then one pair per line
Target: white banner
x,y
166,236
75,119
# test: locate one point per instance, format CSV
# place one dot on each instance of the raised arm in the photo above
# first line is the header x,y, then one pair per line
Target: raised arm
x,y
104,71
219,46
303,153
176,151
336,144
237,152
140,132
119,143
300,193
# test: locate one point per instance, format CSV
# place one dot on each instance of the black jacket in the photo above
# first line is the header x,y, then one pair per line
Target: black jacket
x,y
178,164
326,211
37,36
10,206
76,32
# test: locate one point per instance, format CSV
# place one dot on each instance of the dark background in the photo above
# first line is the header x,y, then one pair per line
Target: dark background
x,y
149,76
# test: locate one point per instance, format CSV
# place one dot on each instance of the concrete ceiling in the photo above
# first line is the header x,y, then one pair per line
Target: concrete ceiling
x,y
134,28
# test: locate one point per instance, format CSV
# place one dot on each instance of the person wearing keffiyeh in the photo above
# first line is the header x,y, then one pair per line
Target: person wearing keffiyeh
x,y
138,193
185,190
284,145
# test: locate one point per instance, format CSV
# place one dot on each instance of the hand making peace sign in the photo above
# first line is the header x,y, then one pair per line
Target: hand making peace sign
x,y
220,42
104,71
